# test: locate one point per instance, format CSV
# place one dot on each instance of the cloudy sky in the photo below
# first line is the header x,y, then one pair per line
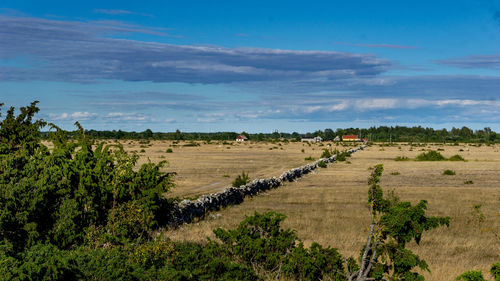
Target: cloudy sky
x,y
257,66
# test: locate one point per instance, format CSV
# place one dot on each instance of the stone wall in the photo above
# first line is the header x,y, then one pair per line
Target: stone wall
x,y
188,210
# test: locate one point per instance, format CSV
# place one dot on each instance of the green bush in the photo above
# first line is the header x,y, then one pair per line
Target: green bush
x,y
191,144
472,275
430,155
449,172
261,243
322,164
456,157
309,158
169,150
241,179
54,196
401,158
326,153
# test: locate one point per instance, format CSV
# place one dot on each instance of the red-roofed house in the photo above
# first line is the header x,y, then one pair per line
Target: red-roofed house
x,y
350,138
241,138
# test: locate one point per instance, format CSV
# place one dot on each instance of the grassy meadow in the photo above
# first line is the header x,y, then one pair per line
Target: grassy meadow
x,y
329,205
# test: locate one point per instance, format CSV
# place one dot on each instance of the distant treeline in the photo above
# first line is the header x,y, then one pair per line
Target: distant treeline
x,y
377,134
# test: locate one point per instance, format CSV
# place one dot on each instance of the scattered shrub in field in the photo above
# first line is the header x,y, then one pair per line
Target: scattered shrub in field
x,y
302,150
169,150
191,144
474,275
395,173
468,182
430,156
341,156
401,158
143,151
310,158
322,164
449,172
326,153
456,157
226,176
440,149
241,180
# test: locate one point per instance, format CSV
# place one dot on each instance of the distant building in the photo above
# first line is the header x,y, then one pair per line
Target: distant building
x,y
350,138
337,138
366,140
315,139
241,138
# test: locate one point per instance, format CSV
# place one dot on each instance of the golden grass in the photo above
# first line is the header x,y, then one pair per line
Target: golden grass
x,y
329,206
209,168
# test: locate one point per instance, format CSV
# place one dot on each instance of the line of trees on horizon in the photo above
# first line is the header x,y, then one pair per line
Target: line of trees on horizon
x,y
376,134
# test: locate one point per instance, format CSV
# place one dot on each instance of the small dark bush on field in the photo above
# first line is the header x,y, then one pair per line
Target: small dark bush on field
x,y
241,180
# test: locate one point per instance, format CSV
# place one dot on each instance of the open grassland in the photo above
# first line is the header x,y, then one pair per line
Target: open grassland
x,y
209,168
329,206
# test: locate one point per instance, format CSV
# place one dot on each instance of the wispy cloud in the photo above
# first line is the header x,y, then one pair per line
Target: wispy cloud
x,y
475,61
76,51
389,46
73,116
119,12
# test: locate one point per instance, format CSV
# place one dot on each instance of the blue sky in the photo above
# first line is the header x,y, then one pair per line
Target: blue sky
x,y
256,66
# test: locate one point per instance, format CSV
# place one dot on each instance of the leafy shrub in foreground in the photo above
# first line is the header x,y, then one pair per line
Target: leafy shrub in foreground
x,y
260,242
55,196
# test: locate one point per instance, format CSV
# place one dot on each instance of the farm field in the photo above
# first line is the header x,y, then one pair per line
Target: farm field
x,y
329,205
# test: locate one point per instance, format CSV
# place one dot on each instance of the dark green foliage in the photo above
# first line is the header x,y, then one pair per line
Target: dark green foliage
x,y
394,224
58,196
456,157
261,243
495,271
341,156
472,275
241,179
449,172
322,164
169,150
191,144
309,158
377,134
401,158
430,155
326,153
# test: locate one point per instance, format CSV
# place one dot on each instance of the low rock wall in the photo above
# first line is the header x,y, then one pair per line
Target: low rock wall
x,y
188,210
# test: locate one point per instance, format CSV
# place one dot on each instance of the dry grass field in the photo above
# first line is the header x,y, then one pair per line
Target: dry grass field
x,y
211,167
329,206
